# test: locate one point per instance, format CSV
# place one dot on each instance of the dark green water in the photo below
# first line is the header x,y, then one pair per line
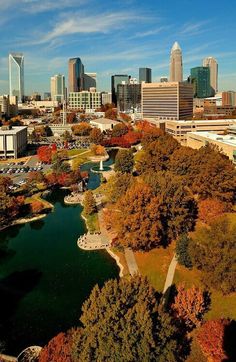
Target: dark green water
x,y
45,277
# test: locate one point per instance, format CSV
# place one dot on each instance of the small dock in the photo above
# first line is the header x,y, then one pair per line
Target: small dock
x,y
95,241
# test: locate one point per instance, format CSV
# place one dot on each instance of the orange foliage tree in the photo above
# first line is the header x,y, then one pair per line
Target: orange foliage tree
x,y
209,209
44,154
36,206
211,339
189,305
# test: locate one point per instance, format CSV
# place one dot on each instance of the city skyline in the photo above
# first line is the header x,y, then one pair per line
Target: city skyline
x,y
109,42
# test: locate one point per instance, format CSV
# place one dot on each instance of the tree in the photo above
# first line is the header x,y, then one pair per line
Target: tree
x,y
96,136
119,130
89,203
182,252
150,134
210,209
124,161
44,154
36,207
212,250
121,322
211,339
98,150
66,136
111,113
177,207
182,162
189,306
81,129
215,176
136,219
117,185
155,155
60,348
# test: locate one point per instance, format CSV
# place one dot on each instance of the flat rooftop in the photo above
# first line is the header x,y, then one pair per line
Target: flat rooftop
x,y
104,121
226,139
203,121
13,130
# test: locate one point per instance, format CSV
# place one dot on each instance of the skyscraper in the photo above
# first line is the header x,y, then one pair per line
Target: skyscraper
x,y
115,80
213,65
90,81
176,65
76,75
16,75
58,88
200,78
145,75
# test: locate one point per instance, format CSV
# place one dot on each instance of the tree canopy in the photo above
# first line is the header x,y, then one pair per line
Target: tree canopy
x,y
124,161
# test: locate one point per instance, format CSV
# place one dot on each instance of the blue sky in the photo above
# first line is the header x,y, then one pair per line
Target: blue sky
x,y
113,37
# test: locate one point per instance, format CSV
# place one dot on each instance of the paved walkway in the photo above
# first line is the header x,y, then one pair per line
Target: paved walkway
x,y
169,278
131,262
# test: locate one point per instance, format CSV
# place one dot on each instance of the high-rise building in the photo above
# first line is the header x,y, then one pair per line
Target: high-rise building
x,y
167,101
16,75
213,65
229,98
129,97
47,96
200,78
115,80
145,75
76,75
58,88
85,100
90,81
176,65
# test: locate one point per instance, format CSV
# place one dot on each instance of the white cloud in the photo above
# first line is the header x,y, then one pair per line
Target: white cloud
x,y
87,24
190,29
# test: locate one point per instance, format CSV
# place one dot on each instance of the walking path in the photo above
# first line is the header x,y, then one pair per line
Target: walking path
x,y
169,278
131,262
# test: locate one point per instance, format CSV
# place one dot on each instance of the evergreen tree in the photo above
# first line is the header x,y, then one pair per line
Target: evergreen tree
x,y
89,203
182,251
124,161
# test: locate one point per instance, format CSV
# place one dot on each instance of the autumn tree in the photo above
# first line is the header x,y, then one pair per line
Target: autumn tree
x,y
177,207
182,162
124,161
96,136
36,206
211,339
121,322
119,130
98,150
155,155
89,203
44,154
150,134
61,347
212,250
137,219
215,176
81,129
209,209
189,306
66,136
117,185
111,113
182,251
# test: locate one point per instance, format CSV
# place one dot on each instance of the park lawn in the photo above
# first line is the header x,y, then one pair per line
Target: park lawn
x,y
76,152
76,162
47,205
154,265
92,222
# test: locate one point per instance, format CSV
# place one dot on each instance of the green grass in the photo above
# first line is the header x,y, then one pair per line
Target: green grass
x,y
76,152
92,222
80,159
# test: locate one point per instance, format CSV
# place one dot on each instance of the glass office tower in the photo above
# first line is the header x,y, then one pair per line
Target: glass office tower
x,y
145,75
16,75
200,78
76,75
115,80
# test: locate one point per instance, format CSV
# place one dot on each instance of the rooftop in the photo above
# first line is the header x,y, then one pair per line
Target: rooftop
x,y
226,139
13,130
175,47
104,121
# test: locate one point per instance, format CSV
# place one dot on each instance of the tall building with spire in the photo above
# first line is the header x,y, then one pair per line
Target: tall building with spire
x,y
16,75
176,65
213,65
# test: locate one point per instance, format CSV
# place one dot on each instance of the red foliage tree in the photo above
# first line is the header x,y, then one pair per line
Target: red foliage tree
x,y
209,209
211,339
189,305
51,179
44,154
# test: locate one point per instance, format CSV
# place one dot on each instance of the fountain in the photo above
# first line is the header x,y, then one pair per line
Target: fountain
x,y
101,168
